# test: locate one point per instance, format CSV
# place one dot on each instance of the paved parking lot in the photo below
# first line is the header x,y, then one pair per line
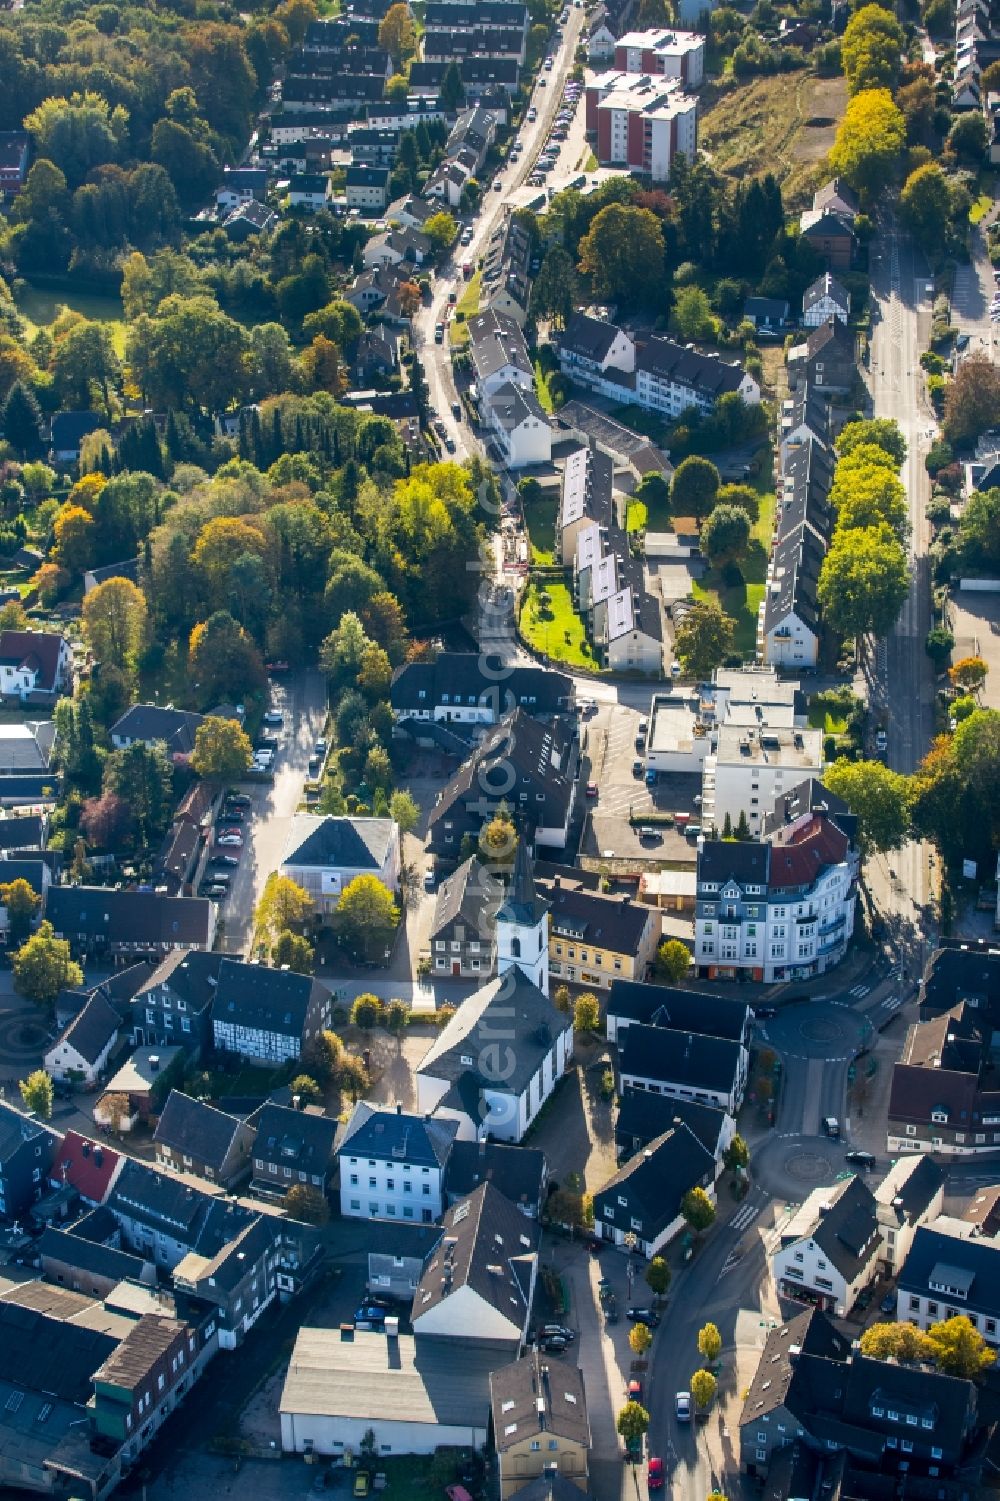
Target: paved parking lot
x,y
623,794
976,628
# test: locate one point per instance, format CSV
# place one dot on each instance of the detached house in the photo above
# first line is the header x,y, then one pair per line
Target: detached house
x,y
149,724
239,184
325,853
82,1050
826,298
392,1164
33,663
831,1247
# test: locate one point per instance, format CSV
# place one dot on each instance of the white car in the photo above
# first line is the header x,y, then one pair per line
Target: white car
x,y
229,841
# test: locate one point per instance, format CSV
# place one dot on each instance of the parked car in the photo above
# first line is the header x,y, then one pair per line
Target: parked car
x,y
439,333
654,1474
881,739
230,841
275,717
238,800
644,1316
634,1390
638,768
764,1013
592,789
682,1407
320,746
866,1160
555,1345
223,862
831,1126
371,1313
888,1303
550,1330
362,1483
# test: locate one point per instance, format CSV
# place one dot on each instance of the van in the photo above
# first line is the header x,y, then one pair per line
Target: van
x,y
831,1126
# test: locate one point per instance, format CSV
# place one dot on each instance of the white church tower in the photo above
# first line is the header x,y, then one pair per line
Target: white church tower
x,y
522,924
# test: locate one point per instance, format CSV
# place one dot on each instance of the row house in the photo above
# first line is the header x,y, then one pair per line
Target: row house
x,y
640,1205
505,278
471,690
944,1096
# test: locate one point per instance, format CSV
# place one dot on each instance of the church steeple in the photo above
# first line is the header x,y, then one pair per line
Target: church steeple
x,y
522,924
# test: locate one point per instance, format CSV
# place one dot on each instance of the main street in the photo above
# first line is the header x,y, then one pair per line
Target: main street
x,y
436,358
902,685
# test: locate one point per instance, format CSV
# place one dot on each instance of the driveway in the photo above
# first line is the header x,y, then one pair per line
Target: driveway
x,y
302,699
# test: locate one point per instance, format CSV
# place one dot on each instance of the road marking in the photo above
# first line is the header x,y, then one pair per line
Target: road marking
x,y
744,1216
859,991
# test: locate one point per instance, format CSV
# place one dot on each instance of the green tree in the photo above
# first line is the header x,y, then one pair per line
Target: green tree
x,y
939,645
969,138
43,966
925,203
870,141
703,1389
284,905
223,660
397,1019
322,1055
367,1012
979,528
871,49
704,639
293,951
880,798
21,902
77,133
639,1338
84,361
306,1204
658,1276
863,581
115,619
958,1348
21,421
141,775
737,1154
37,1093
695,487
725,536
884,432
222,750
697,1209
452,89
972,399
866,496
632,1422
441,230
306,1088
709,1343
692,316
902,1342
190,355
397,33
561,998
404,809
622,255
673,960
555,290
366,916
587,1013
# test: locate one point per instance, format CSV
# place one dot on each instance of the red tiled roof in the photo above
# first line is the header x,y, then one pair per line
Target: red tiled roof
x,y
89,1166
799,856
37,650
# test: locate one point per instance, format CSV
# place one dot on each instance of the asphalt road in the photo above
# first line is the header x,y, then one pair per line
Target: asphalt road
x,y
436,358
302,698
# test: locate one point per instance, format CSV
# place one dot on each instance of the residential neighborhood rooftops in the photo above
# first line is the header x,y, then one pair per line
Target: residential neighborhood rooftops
x,y
195,1129
517,1172
685,1058
295,1138
351,843
88,1166
533,1395
486,1245
389,1133
92,1029
968,1270
680,1010
259,998
142,1069
841,1218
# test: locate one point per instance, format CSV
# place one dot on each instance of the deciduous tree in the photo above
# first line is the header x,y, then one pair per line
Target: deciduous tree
x,y
673,960
586,1013
725,535
695,487
366,917
972,400
969,673
21,902
622,255
704,638
293,951
958,1348
879,797
870,141
703,1389
871,50
658,1276
43,966
697,1209
37,1093
306,1204
925,203
222,750
115,619
397,33
632,1421
709,1342
640,1338
884,432
863,581
902,1342
284,904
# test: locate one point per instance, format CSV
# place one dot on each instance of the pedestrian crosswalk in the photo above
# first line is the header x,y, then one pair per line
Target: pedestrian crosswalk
x,y
859,991
744,1216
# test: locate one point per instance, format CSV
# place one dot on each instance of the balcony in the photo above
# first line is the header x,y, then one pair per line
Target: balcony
x,y
830,925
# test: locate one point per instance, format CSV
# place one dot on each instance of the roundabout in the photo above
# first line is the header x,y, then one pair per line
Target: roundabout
x,y
817,1029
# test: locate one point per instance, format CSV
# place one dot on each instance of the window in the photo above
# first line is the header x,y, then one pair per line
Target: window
x,y
535,1445
937,1453
761,1453
354,1180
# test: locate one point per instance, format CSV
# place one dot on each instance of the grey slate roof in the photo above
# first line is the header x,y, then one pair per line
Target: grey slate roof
x,y
826,285
682,1058
962,972
481,1233
807,1333
191,975
469,679
526,1012
587,337
263,999
195,1129
975,1262
361,843
687,367
92,1029
89,1255
397,1136
50,1355
17,1127
201,1220
149,722
517,1172
495,342
92,912
742,861
529,1397
681,1010
295,1139
470,896
643,1116
846,1230
655,1180
522,904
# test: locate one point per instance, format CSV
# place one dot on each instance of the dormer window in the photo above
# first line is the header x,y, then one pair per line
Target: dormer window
x,y
939,1115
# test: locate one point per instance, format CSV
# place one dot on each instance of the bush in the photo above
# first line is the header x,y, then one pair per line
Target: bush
x,y
938,509
939,457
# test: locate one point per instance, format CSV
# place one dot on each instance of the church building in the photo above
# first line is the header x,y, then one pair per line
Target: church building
x,y
500,1057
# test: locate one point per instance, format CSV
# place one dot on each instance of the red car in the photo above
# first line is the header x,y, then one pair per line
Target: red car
x,y
654,1475
635,1390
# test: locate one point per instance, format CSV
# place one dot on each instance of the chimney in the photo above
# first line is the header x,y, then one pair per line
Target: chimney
x,y
296,1102
154,1063
399,1108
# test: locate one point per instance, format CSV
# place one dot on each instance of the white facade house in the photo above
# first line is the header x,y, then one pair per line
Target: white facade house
x,y
830,1247
751,768
910,1195
591,348
34,661
82,1050
826,298
392,1165
520,427
325,853
945,1275
778,909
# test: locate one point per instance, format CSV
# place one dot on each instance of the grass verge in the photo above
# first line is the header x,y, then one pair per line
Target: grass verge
x,y
540,520
468,306
542,389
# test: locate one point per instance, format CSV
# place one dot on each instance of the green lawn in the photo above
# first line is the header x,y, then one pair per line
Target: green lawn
x,y
542,389
820,718
468,306
39,307
742,600
540,520
555,628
